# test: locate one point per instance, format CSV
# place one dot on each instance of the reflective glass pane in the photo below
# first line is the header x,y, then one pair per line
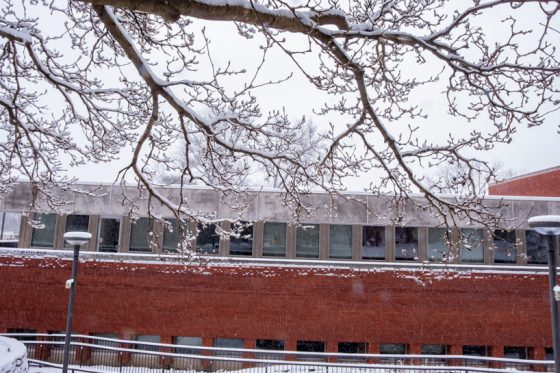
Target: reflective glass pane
x,y
438,249
504,246
373,243
406,243
307,241
472,246
109,233
340,242
148,339
537,248
242,245
207,241
274,242
228,343
171,235
140,234
434,349
9,229
43,236
352,347
188,341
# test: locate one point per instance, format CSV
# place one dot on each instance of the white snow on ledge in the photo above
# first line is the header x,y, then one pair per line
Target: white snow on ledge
x,y
13,356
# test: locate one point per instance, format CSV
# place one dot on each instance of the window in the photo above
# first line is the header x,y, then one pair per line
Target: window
x,y
140,235
434,350
147,339
103,342
392,349
515,352
307,241
228,343
109,234
187,341
438,244
406,243
472,248
242,245
340,242
207,241
274,241
270,345
373,243
23,337
352,347
76,223
9,229
172,233
504,246
475,351
310,346
537,248
43,235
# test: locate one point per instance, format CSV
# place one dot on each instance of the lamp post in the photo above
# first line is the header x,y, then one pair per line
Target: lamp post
x,y
549,225
76,239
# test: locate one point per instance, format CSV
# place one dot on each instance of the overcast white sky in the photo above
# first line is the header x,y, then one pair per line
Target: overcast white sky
x,y
532,149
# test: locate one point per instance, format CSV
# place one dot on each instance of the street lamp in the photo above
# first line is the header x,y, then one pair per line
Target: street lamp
x,y
76,239
549,225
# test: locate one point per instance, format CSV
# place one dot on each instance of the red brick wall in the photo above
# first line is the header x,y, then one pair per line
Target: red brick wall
x,y
545,184
279,303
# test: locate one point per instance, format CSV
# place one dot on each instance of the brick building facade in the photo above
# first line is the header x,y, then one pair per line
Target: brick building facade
x,y
487,300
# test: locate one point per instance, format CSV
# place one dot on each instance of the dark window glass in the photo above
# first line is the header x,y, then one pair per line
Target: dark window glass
x,y
77,223
438,244
406,243
475,350
207,241
172,233
270,344
373,243
307,241
549,353
187,341
9,229
434,350
23,337
514,352
242,245
504,246
537,248
340,242
140,235
472,248
352,347
228,343
310,346
148,339
392,349
274,242
43,235
109,234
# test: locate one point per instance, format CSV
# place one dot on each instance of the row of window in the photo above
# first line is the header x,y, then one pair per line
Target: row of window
x,y
184,343
307,241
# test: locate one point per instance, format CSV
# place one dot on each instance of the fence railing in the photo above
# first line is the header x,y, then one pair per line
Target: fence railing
x,y
94,354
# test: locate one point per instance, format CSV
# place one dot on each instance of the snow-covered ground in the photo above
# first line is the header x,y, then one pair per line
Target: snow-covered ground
x,y
13,356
